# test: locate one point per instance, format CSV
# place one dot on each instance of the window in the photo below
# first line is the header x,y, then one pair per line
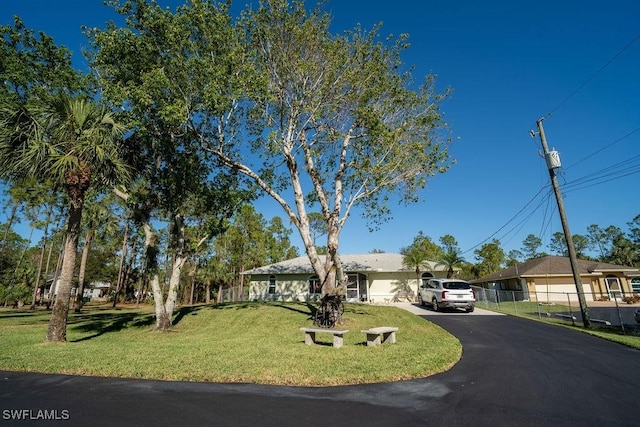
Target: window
x,y
314,285
456,285
272,284
425,279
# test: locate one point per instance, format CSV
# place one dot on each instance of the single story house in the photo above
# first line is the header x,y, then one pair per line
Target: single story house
x,y
374,277
550,279
97,290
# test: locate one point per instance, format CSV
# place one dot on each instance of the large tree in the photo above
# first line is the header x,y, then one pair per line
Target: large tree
x,y
530,246
420,254
490,257
319,122
76,144
451,257
152,73
558,245
50,135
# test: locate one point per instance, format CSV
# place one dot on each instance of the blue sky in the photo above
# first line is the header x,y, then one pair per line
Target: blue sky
x,y
508,63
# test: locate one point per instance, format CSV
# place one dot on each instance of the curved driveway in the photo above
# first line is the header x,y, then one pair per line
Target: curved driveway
x,y
514,372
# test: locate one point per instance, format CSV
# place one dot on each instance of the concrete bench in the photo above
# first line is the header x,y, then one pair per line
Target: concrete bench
x,y
310,335
566,316
601,322
380,335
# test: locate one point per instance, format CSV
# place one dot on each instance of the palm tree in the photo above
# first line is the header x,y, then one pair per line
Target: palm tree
x,y
450,260
415,257
74,143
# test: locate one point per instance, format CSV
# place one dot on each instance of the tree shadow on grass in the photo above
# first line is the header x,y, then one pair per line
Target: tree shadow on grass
x,y
17,314
310,308
102,323
183,311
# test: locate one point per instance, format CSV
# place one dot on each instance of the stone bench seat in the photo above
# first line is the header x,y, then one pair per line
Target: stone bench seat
x,y
310,335
380,335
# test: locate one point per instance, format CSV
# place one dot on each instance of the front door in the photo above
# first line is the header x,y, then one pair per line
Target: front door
x,y
356,287
613,287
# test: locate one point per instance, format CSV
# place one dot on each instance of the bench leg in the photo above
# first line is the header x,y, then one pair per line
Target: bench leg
x,y
337,341
309,338
373,339
389,337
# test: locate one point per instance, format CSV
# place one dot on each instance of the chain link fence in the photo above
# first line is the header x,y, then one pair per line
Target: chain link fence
x,y
618,312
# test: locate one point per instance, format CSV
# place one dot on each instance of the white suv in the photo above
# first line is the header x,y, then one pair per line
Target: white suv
x,y
445,293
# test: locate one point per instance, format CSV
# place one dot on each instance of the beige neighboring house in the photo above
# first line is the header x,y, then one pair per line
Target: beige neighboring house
x,y
550,279
376,278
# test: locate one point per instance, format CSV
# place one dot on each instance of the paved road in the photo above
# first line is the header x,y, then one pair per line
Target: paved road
x,y
514,372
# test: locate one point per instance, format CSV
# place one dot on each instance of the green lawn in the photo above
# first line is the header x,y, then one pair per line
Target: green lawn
x,y
240,342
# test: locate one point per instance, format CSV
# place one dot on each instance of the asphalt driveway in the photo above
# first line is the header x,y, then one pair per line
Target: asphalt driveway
x,y
514,372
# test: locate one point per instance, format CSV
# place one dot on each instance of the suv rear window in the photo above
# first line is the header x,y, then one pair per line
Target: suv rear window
x,y
456,285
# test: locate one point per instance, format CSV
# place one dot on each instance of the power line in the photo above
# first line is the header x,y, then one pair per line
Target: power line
x,y
547,218
572,94
603,148
511,219
616,171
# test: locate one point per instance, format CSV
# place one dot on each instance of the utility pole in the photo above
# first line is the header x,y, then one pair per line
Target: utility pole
x,y
565,225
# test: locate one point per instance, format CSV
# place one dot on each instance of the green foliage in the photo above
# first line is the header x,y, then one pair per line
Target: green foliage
x,y
423,245
33,67
250,241
490,257
363,130
530,246
514,257
273,92
67,139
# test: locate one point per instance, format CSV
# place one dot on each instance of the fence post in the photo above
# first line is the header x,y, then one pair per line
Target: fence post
x,y
619,315
573,322
515,306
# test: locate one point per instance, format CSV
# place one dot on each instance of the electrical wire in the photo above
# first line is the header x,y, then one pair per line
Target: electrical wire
x,y
572,94
603,148
618,170
601,177
613,172
512,219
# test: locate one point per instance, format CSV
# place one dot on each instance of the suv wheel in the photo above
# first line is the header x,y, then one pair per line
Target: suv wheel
x,y
434,304
420,300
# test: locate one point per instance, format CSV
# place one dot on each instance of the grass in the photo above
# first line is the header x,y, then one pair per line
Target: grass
x,y
543,313
238,343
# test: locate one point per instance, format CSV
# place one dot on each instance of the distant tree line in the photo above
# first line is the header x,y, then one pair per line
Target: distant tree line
x,y
609,245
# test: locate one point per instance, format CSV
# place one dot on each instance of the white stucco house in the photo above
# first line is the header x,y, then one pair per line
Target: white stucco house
x,y
375,277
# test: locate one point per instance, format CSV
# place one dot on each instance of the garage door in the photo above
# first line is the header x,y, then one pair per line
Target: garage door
x,y
562,293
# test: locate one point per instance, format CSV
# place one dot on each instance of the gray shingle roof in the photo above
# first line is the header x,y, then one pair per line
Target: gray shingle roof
x,y
554,265
387,262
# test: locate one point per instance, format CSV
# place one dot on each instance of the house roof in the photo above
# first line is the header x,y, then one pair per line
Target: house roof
x,y
556,265
379,262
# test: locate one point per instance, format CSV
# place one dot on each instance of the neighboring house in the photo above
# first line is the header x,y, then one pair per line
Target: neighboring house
x,y
376,277
550,279
92,291
97,290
